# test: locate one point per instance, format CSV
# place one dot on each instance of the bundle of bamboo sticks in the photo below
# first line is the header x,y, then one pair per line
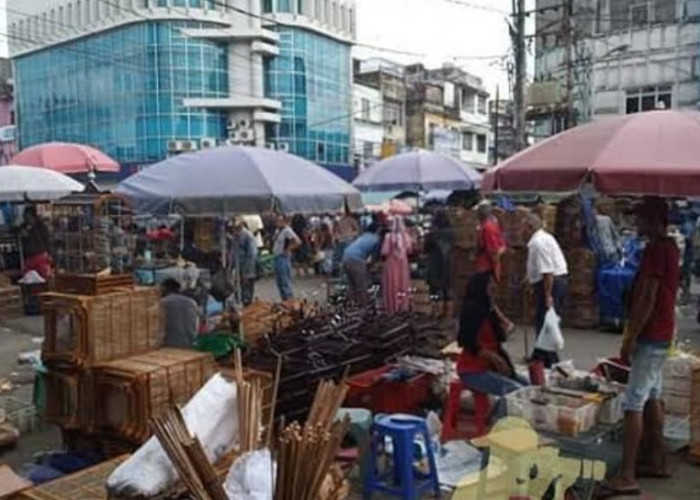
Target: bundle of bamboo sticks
x,y
327,401
187,455
304,457
249,399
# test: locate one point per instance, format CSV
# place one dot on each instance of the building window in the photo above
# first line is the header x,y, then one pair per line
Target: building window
x,y
468,141
639,15
365,109
367,149
481,143
468,102
267,6
481,105
432,129
393,115
648,99
284,5
664,11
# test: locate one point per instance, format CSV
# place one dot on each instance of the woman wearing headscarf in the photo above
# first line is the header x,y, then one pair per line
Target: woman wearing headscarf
x,y
484,365
396,278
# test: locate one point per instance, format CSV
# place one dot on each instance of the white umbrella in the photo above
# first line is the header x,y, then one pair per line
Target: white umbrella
x,y
34,184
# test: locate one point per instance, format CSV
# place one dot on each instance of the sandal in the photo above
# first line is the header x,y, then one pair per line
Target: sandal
x,y
606,490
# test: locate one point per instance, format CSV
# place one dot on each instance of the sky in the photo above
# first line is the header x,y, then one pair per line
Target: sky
x,y
432,31
439,31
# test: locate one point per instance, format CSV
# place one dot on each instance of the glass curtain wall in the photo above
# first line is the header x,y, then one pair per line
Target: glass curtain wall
x,y
311,77
122,90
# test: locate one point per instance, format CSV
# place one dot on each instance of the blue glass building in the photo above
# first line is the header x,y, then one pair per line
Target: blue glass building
x,y
311,77
132,81
129,104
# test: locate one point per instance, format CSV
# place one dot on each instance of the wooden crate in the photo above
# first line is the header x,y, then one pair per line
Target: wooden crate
x,y
82,330
131,391
92,284
582,266
464,227
88,484
11,302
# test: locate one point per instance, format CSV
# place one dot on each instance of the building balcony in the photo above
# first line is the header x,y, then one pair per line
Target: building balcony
x,y
231,34
265,49
231,103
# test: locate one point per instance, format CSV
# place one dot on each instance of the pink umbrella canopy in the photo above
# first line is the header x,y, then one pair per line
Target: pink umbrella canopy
x,y
66,158
392,207
653,153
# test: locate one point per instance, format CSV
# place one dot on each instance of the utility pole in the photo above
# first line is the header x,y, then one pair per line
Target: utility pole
x,y
518,36
567,28
496,119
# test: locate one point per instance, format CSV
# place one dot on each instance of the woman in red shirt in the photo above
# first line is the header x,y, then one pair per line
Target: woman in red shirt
x,y
484,365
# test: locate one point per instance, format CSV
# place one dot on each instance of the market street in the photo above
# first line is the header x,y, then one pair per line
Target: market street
x,y
584,347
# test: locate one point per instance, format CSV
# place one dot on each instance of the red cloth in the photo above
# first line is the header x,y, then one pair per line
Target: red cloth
x,y
661,262
489,240
40,263
470,363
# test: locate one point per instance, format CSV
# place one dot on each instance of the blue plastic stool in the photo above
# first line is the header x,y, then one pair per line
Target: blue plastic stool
x,y
403,481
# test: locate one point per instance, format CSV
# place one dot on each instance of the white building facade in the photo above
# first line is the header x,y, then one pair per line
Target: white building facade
x,y
368,112
626,56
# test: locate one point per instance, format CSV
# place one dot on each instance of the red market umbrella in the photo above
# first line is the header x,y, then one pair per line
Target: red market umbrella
x,y
652,153
66,158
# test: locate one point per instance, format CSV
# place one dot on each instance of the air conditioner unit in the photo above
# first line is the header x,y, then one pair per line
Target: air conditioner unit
x,y
188,145
246,135
231,125
208,143
283,146
174,146
270,145
244,123
231,142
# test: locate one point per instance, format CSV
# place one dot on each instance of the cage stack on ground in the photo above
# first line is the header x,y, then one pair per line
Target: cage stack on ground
x,y
582,302
464,226
106,375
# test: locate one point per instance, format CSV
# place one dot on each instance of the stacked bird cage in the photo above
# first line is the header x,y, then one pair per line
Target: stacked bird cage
x,y
129,392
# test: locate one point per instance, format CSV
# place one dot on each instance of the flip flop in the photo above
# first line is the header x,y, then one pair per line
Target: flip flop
x,y
605,491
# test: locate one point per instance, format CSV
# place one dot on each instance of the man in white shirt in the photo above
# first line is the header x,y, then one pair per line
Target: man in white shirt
x,y
547,274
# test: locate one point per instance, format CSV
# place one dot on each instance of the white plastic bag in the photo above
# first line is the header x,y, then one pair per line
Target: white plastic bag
x,y
251,477
208,415
550,338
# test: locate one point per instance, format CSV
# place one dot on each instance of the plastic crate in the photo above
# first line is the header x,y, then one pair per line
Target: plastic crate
x,y
21,414
369,390
564,415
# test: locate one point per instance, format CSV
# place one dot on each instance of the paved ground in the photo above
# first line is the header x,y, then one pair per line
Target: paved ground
x,y
585,347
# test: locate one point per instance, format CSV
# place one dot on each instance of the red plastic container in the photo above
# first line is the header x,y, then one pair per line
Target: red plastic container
x,y
368,390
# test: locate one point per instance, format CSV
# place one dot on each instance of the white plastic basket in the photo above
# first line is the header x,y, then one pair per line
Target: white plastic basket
x,y
564,415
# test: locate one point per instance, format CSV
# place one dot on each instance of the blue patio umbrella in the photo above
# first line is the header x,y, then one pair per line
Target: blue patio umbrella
x,y
238,179
419,171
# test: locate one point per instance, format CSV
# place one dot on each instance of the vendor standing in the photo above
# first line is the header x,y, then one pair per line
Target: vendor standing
x,y
648,336
547,274
35,244
490,243
286,242
246,260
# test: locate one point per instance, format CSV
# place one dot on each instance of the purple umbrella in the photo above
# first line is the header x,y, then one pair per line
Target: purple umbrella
x,y
238,179
419,171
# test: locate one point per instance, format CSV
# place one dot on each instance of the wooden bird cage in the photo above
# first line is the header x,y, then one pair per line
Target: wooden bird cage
x,y
92,231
